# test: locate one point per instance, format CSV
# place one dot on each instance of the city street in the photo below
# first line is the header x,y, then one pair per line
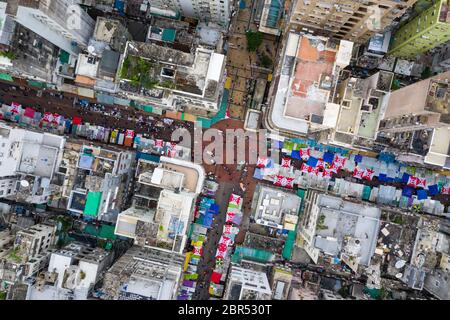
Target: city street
x,y
242,65
112,116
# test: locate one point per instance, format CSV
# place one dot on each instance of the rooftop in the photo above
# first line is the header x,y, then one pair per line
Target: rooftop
x,y
165,227
275,208
148,65
307,75
345,228
87,66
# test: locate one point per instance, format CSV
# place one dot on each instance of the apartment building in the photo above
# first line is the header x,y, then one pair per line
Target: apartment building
x,y
354,20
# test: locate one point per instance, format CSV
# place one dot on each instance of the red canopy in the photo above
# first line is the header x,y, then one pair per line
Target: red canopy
x,y
29,112
76,121
215,277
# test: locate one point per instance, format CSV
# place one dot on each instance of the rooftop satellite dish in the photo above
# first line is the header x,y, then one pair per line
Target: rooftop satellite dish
x,y
91,49
400,264
399,275
24,183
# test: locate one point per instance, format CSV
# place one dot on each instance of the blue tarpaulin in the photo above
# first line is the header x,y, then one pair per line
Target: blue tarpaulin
x,y
407,192
383,177
296,154
358,158
214,208
433,190
422,194
312,162
328,157
405,178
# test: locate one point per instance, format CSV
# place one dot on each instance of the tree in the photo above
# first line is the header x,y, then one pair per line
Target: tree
x,y
266,62
426,73
254,40
8,54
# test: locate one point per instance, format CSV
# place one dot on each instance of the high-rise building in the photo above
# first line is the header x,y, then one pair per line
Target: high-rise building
x,y
214,11
62,22
354,20
424,32
416,121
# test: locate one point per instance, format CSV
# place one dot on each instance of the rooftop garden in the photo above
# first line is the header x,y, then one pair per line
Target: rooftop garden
x,y
13,255
140,72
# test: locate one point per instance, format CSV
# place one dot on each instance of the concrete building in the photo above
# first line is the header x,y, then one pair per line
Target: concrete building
x,y
163,204
275,208
172,79
426,31
338,228
438,284
301,96
100,182
143,274
28,255
72,273
62,22
415,121
361,105
213,11
6,26
281,282
247,284
28,161
351,20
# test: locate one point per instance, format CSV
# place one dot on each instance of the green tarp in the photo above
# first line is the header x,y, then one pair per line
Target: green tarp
x,y
251,254
168,35
92,203
64,57
36,84
5,76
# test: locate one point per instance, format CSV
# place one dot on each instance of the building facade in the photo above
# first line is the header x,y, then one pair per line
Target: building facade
x,y
428,30
212,11
62,22
351,20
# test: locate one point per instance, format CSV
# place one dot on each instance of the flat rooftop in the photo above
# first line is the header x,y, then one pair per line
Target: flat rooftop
x,y
87,66
304,83
105,29
313,63
38,160
340,219
272,205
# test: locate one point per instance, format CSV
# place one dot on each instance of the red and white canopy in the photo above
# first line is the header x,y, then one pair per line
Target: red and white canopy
x,y
285,162
159,143
445,190
15,107
339,161
235,199
284,181
262,162
357,173
368,174
129,133
48,117
305,152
